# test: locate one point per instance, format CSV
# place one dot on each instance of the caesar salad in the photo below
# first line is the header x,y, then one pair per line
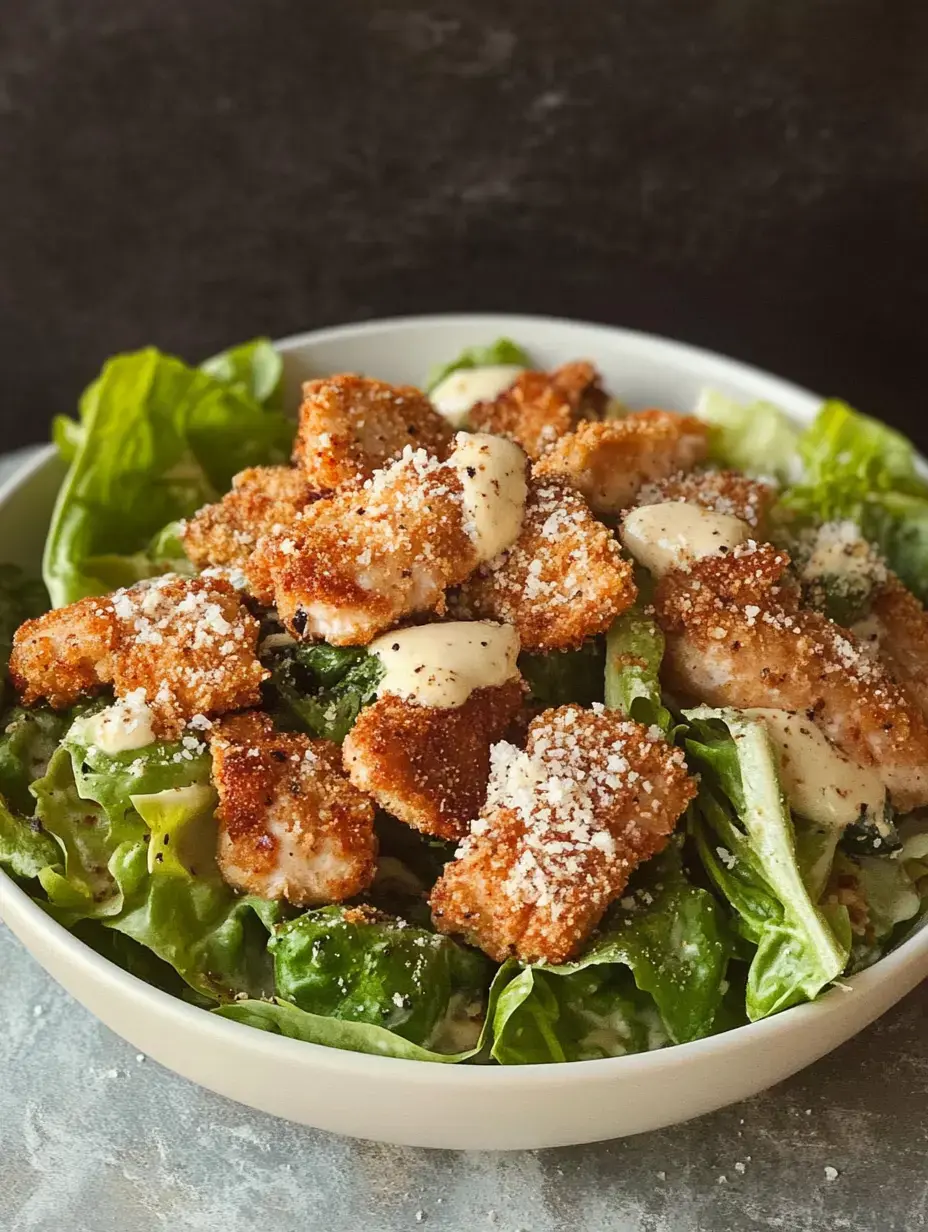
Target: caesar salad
x,y
488,722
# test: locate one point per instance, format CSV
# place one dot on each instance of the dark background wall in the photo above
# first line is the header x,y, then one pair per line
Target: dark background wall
x,y
751,176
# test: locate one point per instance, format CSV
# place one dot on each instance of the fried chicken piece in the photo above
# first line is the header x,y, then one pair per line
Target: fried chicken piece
x,y
188,643
351,426
429,765
725,492
372,554
738,637
64,654
263,499
565,824
291,826
611,462
539,407
564,579
896,630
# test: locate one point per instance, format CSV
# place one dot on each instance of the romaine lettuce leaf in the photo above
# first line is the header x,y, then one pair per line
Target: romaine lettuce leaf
x,y
363,966
157,439
655,972
747,844
28,740
21,597
178,907
253,369
502,351
563,676
25,848
860,470
321,689
756,438
634,650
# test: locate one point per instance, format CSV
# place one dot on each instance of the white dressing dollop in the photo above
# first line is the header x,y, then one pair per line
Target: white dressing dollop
x,y
673,535
124,726
821,783
459,391
492,472
442,664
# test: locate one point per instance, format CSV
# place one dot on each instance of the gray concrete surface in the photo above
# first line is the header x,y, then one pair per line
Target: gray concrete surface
x,y
96,1138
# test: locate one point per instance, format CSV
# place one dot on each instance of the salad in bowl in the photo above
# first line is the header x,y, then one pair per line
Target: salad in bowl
x,y
489,722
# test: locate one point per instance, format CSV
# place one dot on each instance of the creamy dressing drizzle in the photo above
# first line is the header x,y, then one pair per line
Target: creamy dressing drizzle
x,y
492,472
459,391
673,535
124,726
820,782
440,665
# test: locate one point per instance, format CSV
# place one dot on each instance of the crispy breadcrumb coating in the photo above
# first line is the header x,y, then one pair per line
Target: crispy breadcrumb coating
x,y
725,492
358,562
189,643
564,825
263,499
539,407
738,637
564,579
291,826
897,631
610,462
427,765
351,426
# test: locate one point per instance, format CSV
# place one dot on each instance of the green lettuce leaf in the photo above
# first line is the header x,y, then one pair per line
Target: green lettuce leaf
x,y
25,848
502,351
321,689
747,843
28,740
253,369
860,470
363,966
157,439
564,676
654,973
756,438
21,598
634,650
109,869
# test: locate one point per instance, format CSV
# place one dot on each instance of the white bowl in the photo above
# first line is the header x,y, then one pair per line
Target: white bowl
x,y
440,1105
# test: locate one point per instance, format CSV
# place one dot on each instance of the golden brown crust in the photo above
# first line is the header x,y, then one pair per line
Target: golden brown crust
x,y
725,492
564,579
429,766
188,642
564,826
736,636
263,498
358,562
610,462
290,824
901,626
539,407
351,426
64,654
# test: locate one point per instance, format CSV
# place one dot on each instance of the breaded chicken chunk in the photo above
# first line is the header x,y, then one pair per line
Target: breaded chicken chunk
x,y
725,492
564,825
64,654
611,462
351,426
429,765
736,636
564,579
358,562
263,499
539,407
291,826
188,643
896,631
